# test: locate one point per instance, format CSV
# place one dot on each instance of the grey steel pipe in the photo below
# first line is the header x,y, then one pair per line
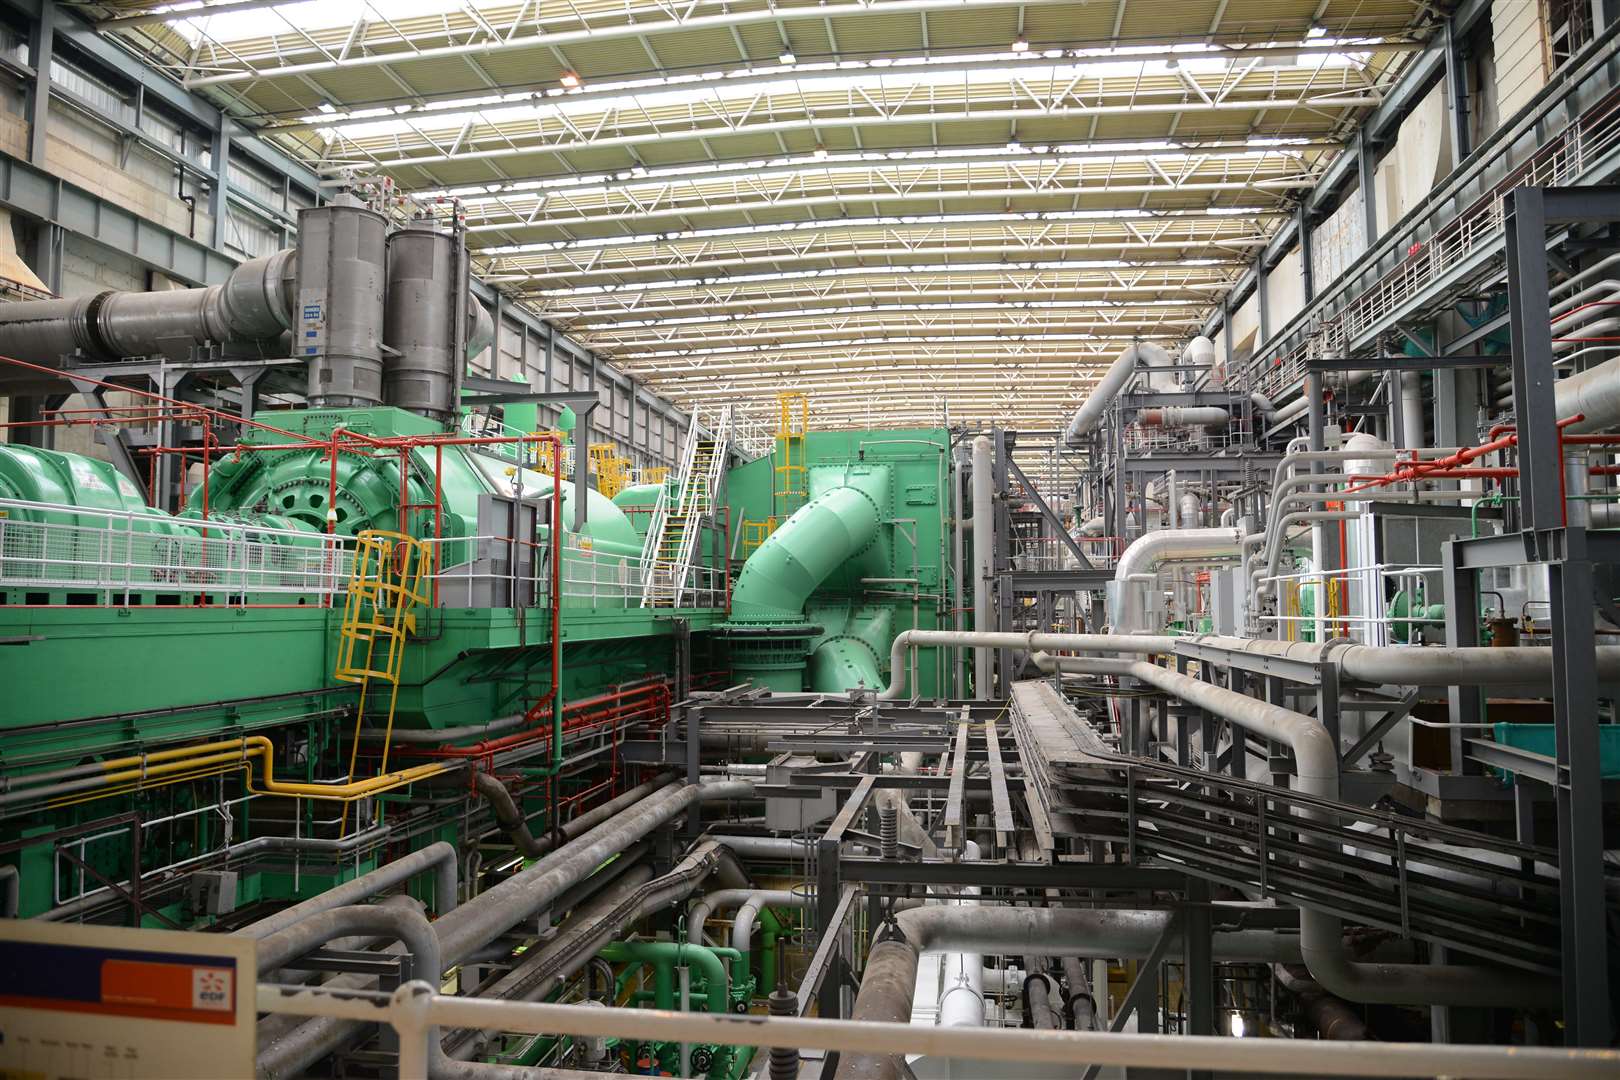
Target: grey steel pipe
x,y
481,920
439,857
890,978
254,303
570,952
408,926
1316,759
589,927
1039,1011
287,944
1147,553
510,818
484,918
984,568
1102,395
1428,665
1078,1003
1139,644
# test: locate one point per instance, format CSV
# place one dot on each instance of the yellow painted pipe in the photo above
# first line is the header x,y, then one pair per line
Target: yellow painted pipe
x,y
168,763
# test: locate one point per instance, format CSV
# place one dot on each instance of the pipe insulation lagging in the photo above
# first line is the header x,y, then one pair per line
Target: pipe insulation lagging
x,y
1147,553
1316,757
486,917
1429,665
254,303
1095,407
1137,644
1176,416
1594,395
889,982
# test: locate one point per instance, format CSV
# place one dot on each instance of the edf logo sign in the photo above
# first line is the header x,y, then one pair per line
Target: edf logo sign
x,y
211,989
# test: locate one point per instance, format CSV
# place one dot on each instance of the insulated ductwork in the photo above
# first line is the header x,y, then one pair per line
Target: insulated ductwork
x,y
254,304
1109,386
1206,416
1148,553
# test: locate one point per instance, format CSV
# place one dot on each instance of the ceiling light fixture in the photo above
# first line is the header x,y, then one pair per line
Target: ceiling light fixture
x,y
1020,44
787,57
569,79
821,152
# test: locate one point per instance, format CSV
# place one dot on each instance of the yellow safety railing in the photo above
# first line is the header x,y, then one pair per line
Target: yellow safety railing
x,y
612,470
754,534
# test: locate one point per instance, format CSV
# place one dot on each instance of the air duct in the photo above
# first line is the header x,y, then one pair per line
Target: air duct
x,y
1109,386
254,304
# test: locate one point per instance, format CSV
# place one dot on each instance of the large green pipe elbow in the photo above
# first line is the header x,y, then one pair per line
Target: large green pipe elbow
x,y
791,564
854,656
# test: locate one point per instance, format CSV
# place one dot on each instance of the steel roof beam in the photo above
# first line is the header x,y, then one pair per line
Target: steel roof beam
x,y
487,45
346,154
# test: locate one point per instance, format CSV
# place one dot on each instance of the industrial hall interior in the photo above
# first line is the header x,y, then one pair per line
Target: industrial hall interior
x,y
809,539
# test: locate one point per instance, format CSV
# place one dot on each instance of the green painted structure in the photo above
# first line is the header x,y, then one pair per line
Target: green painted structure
x,y
85,678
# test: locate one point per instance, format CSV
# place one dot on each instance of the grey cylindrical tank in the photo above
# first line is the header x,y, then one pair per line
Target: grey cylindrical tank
x,y
339,328
420,325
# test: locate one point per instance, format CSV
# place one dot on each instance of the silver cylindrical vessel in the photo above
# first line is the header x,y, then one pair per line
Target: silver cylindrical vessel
x,y
420,324
339,318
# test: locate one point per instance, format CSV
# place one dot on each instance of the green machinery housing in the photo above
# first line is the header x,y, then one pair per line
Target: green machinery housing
x,y
93,675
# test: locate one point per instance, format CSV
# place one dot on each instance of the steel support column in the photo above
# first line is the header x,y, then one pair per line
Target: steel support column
x,y
1457,94
41,47
1588,1016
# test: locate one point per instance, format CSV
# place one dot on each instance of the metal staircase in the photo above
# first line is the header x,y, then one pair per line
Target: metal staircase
x,y
687,499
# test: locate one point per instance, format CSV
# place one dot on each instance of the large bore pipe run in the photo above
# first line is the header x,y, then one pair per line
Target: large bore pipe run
x,y
984,552
1430,665
1095,407
841,520
1316,760
1137,644
439,857
254,303
477,923
889,981
512,822
1147,553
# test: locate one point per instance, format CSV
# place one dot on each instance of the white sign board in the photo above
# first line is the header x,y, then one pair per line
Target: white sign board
x,y
105,1001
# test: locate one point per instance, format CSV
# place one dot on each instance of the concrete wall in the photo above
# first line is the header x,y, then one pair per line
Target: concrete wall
x,y
1519,40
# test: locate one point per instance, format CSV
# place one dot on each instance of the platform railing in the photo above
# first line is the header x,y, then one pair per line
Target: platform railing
x,y
116,557
603,579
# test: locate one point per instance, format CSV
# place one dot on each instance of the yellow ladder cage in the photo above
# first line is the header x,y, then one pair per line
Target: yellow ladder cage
x,y
789,485
386,581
